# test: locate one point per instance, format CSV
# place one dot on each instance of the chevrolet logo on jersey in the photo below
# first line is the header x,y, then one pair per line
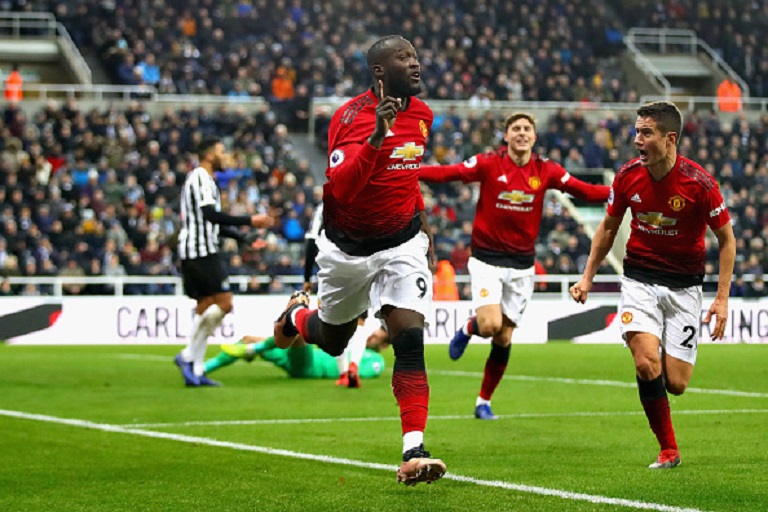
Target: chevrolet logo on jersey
x,y
656,219
408,152
517,197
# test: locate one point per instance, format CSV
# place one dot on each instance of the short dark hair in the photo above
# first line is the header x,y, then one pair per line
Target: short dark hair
x,y
666,114
519,115
378,48
206,145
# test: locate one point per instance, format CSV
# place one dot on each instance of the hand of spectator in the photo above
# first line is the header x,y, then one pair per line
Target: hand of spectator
x,y
262,221
580,290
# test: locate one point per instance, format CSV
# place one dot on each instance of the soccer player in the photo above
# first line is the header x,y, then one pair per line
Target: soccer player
x,y
204,272
672,200
300,361
513,183
374,246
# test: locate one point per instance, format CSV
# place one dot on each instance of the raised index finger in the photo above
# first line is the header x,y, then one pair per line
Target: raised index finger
x,y
381,90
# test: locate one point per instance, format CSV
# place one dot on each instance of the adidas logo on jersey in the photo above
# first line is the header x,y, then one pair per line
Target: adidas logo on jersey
x,y
390,133
503,178
636,198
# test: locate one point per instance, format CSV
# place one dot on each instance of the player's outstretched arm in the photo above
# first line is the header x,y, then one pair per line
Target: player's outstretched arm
x,y
601,244
586,191
467,171
224,219
719,307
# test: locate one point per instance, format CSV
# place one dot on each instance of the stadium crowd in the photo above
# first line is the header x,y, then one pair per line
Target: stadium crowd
x,y
289,50
734,29
96,193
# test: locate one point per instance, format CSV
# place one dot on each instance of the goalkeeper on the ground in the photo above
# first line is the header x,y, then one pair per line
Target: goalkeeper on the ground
x,y
301,361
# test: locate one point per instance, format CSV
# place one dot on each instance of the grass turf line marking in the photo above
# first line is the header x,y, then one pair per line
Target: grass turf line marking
x,y
302,421
613,383
530,489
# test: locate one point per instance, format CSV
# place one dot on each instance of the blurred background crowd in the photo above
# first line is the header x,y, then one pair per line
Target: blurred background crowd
x,y
95,192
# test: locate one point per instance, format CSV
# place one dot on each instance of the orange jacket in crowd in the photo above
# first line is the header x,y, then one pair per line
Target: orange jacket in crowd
x,y
282,85
729,96
445,282
13,84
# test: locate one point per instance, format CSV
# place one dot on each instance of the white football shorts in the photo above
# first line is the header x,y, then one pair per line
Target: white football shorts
x,y
348,285
671,314
512,288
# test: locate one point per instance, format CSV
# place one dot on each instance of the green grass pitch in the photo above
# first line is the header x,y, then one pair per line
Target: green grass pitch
x,y
571,436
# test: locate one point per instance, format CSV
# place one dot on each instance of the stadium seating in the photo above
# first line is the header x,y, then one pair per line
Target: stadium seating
x,y
287,51
732,29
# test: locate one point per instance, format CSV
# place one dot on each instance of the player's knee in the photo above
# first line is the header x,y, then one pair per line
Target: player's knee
x,y
646,368
489,326
408,346
676,387
225,303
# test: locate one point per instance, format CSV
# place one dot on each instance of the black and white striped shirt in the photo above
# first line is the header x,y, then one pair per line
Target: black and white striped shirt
x,y
316,225
198,238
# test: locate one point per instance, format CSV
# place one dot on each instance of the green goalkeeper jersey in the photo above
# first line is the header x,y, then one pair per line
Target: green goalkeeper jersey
x,y
310,362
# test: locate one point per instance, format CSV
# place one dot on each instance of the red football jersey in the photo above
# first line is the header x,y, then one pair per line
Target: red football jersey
x,y
669,217
511,198
373,193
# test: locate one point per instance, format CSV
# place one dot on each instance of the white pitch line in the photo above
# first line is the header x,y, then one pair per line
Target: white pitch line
x,y
541,491
612,383
303,421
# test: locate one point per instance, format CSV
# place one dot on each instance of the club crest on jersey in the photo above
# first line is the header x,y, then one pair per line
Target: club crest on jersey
x,y
626,317
534,182
517,197
656,219
410,151
423,128
483,293
337,156
676,202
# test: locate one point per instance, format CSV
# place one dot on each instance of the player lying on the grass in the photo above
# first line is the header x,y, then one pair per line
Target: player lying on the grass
x,y
301,361
304,362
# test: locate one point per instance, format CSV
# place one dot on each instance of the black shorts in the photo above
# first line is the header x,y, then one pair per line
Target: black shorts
x,y
204,277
